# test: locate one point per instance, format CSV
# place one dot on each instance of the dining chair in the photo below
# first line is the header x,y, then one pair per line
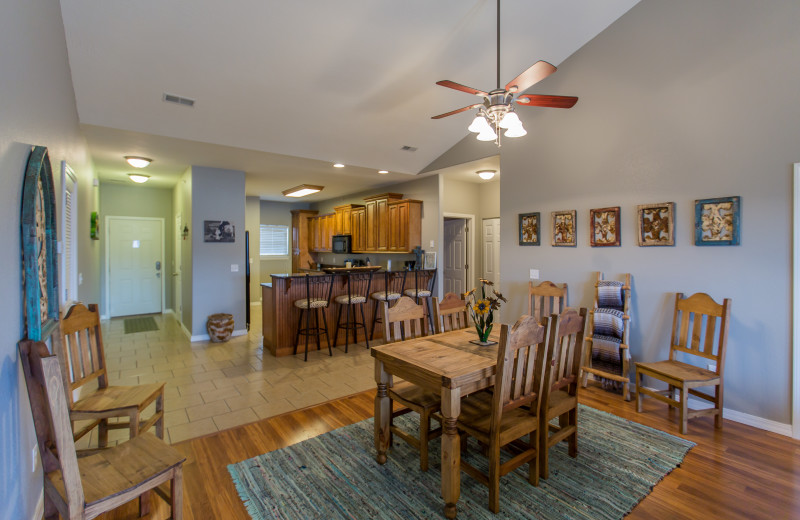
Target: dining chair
x,y
560,392
450,313
502,419
607,355
357,285
546,299
83,488
407,320
318,296
699,338
82,359
393,282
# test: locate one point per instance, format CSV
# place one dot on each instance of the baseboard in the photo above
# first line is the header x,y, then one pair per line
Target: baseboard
x,y
205,337
38,514
185,331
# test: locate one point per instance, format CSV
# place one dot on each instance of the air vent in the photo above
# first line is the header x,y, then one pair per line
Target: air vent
x,y
407,148
172,98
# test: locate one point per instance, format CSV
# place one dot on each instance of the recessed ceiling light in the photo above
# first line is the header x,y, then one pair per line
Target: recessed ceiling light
x,y
138,177
338,165
302,190
138,162
486,174
383,172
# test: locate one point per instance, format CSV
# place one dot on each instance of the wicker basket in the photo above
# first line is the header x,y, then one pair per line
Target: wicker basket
x,y
220,327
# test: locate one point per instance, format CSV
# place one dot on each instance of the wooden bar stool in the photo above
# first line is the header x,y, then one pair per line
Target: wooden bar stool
x,y
393,283
358,285
422,290
318,295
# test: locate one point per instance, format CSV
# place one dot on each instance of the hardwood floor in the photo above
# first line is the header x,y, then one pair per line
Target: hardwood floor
x,y
739,472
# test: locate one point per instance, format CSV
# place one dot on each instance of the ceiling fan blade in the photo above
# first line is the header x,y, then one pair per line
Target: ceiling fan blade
x,y
463,88
538,100
476,105
536,73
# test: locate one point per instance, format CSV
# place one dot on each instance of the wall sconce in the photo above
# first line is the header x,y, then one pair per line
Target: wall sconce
x,y
185,232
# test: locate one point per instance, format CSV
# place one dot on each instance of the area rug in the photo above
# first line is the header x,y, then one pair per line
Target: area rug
x,y
144,324
335,476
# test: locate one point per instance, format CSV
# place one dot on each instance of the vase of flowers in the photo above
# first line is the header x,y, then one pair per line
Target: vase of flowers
x,y
481,307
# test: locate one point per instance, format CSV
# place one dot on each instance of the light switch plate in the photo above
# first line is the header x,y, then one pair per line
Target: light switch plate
x,y
432,243
534,274
234,268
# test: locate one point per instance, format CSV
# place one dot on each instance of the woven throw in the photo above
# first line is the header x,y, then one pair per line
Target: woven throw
x,y
608,322
609,294
145,324
335,476
606,355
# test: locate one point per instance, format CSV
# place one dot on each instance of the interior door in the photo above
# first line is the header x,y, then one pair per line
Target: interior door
x,y
134,266
491,250
455,255
176,271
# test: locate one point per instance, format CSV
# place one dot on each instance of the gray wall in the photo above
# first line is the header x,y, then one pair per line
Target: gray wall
x,y
252,220
182,205
679,101
140,201
217,194
38,108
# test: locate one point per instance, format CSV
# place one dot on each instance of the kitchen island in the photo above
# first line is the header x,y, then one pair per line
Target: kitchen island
x,y
280,316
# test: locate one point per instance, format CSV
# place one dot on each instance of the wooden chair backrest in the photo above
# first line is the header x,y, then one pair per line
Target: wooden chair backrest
x,y
521,359
563,370
450,313
81,354
404,320
700,328
546,299
44,381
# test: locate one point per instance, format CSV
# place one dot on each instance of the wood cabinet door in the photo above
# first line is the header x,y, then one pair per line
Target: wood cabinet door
x,y
313,231
358,229
330,230
371,236
382,242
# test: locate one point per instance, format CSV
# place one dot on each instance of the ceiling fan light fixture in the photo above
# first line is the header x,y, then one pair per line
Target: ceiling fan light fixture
x,y
302,190
138,177
479,124
138,162
517,131
510,120
486,174
487,135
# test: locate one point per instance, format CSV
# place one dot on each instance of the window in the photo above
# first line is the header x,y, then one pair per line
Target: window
x,y
274,240
69,226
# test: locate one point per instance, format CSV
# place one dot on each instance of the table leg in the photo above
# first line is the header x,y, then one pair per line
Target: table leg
x,y
383,412
451,450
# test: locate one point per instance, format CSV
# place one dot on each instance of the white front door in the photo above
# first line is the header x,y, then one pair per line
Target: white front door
x,y
491,250
135,265
455,260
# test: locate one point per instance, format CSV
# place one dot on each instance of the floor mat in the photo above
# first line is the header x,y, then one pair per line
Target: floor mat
x,y
140,324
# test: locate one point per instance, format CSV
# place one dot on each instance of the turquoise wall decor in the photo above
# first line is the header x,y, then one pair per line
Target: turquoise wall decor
x,y
717,221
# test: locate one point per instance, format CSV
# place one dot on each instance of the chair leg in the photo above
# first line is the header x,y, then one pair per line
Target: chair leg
x,y
363,325
572,421
424,429
639,377
327,336
543,435
307,331
317,330
338,323
297,336
718,406
102,433
160,421
684,410
533,466
626,394
375,319
347,329
176,494
494,477
144,503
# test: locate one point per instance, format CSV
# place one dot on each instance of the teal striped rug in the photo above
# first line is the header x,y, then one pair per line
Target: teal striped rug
x,y
335,476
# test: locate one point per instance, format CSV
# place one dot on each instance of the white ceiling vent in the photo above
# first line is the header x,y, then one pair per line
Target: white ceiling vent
x,y
172,98
407,148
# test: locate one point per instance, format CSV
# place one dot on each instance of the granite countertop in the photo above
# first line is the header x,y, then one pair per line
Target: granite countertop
x,y
342,270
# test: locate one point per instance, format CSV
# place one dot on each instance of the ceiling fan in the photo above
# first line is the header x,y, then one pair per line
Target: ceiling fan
x,y
497,111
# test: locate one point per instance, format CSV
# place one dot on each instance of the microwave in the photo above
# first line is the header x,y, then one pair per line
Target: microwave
x,y
341,244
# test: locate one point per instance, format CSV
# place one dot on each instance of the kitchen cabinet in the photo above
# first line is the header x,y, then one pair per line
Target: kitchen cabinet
x,y
320,231
301,241
377,235
358,229
405,225
343,219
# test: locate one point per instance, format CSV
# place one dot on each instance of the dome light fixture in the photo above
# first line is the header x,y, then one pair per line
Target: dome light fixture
x,y
486,174
138,162
139,178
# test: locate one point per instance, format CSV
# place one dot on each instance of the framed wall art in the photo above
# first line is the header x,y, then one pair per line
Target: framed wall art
x,y
218,231
429,260
529,229
604,227
717,221
565,228
656,226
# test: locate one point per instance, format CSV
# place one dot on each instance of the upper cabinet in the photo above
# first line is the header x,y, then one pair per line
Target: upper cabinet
x,y
320,231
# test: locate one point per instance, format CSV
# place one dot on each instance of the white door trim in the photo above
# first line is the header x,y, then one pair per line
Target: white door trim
x,y
107,266
796,304
470,245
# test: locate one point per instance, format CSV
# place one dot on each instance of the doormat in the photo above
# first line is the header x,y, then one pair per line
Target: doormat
x,y
145,324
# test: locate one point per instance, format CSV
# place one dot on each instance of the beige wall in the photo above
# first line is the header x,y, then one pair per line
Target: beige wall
x,y
679,101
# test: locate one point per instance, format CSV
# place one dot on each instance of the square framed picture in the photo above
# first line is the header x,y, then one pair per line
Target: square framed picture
x,y
529,228
218,231
604,227
656,224
565,228
717,221
429,260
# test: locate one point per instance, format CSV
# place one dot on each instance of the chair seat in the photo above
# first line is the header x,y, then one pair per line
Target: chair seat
x,y
422,293
344,299
114,471
410,394
313,303
104,400
679,371
384,296
560,402
476,418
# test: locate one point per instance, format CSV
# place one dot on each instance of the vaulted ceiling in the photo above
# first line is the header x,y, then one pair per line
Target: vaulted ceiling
x,y
284,89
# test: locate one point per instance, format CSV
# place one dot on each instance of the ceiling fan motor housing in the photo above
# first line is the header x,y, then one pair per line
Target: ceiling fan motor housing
x,y
498,104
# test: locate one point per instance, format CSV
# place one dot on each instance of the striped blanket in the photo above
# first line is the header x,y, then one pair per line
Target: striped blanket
x,y
608,329
609,295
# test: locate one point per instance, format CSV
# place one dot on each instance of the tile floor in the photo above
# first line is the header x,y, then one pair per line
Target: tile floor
x,y
215,386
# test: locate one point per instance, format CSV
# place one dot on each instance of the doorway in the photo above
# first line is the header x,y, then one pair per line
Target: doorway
x,y
458,240
134,265
491,250
177,296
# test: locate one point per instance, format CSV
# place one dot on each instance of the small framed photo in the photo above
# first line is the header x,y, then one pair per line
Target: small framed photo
x,y
604,227
716,221
218,231
565,228
429,261
529,227
656,224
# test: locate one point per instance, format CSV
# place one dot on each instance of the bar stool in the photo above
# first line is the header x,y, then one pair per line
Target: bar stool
x,y
393,283
423,290
357,290
318,295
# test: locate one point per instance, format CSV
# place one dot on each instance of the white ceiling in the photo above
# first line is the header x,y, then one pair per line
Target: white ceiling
x,y
284,89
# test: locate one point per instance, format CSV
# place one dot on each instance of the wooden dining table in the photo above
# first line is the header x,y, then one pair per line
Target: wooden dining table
x,y
446,363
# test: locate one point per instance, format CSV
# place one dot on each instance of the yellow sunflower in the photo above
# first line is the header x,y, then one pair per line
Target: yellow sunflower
x,y
481,307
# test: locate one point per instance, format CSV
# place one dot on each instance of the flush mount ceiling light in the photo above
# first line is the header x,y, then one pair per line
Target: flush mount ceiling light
x,y
302,190
338,165
138,177
138,162
486,174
